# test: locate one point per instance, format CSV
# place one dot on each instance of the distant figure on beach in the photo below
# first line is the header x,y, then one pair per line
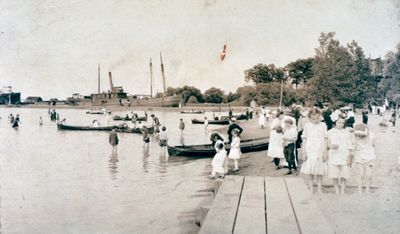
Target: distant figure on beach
x,y
247,114
315,145
11,118
393,118
95,123
218,161
146,136
365,117
113,140
251,113
340,146
234,152
262,117
275,146
205,124
163,139
181,125
364,156
233,125
15,124
289,139
40,121
230,113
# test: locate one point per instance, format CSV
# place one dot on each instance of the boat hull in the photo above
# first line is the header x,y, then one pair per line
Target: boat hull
x,y
217,122
120,118
209,151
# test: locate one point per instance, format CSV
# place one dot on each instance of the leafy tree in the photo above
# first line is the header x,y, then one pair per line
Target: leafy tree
x,y
214,95
269,94
300,71
262,73
232,97
247,94
390,86
187,91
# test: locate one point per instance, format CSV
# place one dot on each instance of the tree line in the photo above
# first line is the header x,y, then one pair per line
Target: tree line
x,y
337,74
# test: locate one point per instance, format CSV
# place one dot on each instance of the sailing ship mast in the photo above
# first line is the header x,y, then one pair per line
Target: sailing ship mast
x,y
162,73
151,79
98,78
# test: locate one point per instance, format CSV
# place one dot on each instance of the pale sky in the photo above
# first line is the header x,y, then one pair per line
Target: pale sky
x,y
51,48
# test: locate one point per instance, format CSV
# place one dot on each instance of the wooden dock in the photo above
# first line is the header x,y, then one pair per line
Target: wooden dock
x,y
264,205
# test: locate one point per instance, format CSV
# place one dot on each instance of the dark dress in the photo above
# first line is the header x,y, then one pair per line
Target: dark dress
x,y
113,138
230,129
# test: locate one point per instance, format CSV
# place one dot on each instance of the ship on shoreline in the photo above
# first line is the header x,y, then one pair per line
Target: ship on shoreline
x,y
116,96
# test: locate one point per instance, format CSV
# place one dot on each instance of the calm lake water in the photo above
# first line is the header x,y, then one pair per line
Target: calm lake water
x,y
54,181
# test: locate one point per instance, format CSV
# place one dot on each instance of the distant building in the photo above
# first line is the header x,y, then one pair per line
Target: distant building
x,y
7,96
33,99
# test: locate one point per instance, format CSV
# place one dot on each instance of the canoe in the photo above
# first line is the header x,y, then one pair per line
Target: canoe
x,y
237,117
211,121
135,130
97,112
192,111
119,118
208,150
88,128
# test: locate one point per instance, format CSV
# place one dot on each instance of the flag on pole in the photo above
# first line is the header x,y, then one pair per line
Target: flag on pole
x,y
223,53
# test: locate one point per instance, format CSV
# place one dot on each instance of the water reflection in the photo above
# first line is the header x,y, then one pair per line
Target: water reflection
x,y
113,165
145,159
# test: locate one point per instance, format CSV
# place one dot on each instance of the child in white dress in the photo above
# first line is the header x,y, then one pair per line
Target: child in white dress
x,y
261,119
364,155
315,146
275,146
234,152
218,161
340,145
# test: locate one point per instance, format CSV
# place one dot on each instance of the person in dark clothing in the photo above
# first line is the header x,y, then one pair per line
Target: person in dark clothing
x,y
232,126
230,113
365,117
327,118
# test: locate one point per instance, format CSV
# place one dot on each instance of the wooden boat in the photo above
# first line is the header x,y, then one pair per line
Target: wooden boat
x,y
237,117
97,112
208,150
89,128
135,130
192,111
211,121
120,118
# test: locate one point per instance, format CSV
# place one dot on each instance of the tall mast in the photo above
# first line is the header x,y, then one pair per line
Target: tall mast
x,y
151,79
98,78
162,73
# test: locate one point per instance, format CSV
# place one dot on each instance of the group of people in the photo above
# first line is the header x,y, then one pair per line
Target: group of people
x,y
14,120
329,147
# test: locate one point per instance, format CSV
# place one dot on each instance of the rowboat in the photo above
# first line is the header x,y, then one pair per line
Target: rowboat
x,y
192,111
89,128
97,112
211,121
118,118
207,150
135,130
237,117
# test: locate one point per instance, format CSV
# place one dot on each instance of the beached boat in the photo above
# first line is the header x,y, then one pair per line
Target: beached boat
x,y
118,118
192,111
89,128
208,150
210,121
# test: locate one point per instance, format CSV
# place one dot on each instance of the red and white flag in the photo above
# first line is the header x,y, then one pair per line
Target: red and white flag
x,y
223,53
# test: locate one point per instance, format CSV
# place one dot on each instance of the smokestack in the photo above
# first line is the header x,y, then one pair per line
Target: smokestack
x,y
111,82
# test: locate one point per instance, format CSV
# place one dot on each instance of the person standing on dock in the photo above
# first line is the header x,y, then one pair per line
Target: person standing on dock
x,y
233,125
218,161
113,140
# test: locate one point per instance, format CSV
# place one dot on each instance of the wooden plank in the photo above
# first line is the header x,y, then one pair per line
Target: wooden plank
x,y
251,211
280,216
309,216
222,214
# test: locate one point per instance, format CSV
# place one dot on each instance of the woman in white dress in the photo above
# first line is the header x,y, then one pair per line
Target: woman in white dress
x,y
234,152
315,149
275,146
261,119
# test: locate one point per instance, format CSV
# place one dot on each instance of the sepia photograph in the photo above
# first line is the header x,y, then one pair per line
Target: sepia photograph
x,y
199,116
